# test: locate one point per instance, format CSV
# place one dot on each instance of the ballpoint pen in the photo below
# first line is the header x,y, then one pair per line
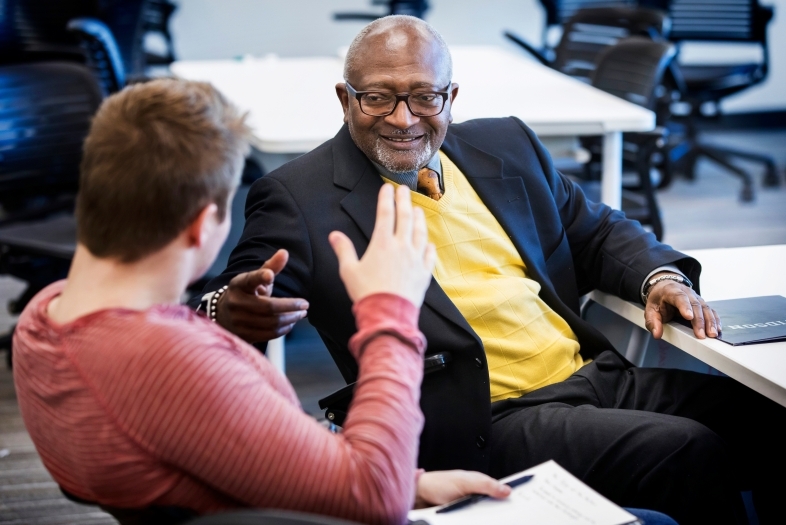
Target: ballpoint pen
x,y
474,498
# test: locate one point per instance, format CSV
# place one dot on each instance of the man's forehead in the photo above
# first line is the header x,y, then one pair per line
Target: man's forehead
x,y
420,60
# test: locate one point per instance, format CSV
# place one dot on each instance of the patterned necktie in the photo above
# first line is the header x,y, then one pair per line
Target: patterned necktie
x,y
428,183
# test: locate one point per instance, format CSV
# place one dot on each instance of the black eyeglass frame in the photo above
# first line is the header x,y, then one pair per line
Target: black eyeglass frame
x,y
399,97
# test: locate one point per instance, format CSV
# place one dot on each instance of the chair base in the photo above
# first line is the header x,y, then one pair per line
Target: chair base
x,y
687,157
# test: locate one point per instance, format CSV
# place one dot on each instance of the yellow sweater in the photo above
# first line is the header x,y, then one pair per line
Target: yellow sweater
x,y
528,346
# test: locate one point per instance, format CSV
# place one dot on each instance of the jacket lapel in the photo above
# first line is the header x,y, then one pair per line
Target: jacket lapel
x,y
506,199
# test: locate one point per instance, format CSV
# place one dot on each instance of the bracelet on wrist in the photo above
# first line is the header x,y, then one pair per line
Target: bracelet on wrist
x,y
209,303
668,277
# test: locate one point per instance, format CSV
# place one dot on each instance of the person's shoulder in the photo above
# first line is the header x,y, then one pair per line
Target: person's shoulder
x,y
121,338
315,163
477,128
498,136
309,163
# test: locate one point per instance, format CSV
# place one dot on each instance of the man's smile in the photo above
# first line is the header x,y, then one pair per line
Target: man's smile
x,y
403,142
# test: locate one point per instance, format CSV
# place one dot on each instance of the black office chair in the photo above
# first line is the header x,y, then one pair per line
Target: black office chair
x,y
634,69
45,110
557,13
101,52
35,30
703,87
155,515
155,20
590,31
415,8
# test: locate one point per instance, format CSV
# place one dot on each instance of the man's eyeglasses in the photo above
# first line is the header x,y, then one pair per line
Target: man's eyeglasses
x,y
381,103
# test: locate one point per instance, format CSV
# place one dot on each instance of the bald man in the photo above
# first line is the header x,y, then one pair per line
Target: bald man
x,y
526,379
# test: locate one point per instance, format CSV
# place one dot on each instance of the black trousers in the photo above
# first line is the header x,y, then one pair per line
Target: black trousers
x,y
675,441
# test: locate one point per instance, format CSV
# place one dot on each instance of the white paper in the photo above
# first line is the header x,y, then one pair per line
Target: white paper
x,y
552,497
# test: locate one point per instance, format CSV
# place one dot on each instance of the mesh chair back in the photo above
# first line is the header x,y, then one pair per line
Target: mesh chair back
x,y
589,32
568,8
633,69
715,20
36,29
45,111
101,52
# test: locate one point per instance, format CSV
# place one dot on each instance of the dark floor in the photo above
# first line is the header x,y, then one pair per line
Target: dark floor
x,y
704,213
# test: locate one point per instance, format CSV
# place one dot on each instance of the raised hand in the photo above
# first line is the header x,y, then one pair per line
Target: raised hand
x,y
247,309
399,259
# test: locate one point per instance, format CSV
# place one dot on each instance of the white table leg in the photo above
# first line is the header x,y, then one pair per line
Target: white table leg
x,y
275,353
611,179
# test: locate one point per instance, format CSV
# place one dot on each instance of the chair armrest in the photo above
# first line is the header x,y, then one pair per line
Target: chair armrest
x,y
537,53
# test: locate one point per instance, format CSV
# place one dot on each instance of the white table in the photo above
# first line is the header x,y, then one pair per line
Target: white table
x,y
293,107
729,273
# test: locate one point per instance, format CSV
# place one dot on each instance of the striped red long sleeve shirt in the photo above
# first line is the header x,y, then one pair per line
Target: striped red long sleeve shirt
x,y
133,408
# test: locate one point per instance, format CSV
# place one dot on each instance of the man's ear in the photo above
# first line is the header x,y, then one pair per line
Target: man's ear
x,y
203,226
343,96
453,94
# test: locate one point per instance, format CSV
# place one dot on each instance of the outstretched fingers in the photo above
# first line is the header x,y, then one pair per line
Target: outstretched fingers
x,y
386,214
404,214
343,247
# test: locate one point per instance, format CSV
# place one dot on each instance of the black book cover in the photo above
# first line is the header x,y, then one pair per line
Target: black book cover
x,y
752,319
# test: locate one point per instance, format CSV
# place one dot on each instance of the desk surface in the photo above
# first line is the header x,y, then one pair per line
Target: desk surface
x,y
293,107
729,273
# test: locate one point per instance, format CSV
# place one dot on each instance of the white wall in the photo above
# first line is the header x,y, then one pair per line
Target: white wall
x,y
230,28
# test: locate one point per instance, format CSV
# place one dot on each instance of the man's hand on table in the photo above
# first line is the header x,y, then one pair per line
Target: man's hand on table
x,y
247,309
668,298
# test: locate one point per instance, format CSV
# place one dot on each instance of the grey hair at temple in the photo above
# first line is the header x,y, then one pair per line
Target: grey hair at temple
x,y
390,22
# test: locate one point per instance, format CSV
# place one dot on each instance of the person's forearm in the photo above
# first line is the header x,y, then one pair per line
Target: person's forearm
x,y
252,443
385,420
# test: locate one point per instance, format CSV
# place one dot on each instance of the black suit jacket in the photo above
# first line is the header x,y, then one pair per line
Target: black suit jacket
x,y
569,245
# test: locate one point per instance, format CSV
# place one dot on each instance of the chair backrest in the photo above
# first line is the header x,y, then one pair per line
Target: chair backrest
x,y
155,19
36,29
589,32
45,111
100,48
716,20
562,10
633,69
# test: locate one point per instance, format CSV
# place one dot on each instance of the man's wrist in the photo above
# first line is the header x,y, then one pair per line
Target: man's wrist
x,y
209,303
665,276
666,268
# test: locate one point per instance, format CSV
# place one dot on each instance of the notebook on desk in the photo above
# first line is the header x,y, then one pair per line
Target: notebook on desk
x,y
552,497
752,320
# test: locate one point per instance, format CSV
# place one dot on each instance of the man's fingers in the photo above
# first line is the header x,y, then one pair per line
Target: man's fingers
x,y
709,320
277,262
343,247
265,306
403,213
249,282
698,319
653,321
683,303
